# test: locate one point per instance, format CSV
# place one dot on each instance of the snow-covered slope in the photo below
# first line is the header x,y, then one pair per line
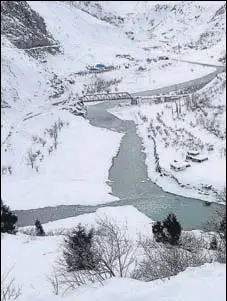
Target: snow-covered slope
x,y
31,261
52,157
86,33
179,26
200,126
203,283
29,89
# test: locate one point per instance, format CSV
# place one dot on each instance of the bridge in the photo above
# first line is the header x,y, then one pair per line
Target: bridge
x,y
164,97
127,96
106,97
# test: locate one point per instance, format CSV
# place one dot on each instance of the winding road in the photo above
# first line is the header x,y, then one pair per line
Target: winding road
x,y
192,85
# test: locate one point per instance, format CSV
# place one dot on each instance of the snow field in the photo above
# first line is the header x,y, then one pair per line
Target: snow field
x,y
81,160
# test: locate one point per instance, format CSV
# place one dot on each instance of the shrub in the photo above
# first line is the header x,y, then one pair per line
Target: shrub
x,y
214,244
8,219
78,253
9,290
157,230
93,256
114,251
39,228
222,228
161,261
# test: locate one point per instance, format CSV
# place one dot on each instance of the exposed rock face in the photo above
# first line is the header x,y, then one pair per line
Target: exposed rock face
x,y
23,26
95,9
216,30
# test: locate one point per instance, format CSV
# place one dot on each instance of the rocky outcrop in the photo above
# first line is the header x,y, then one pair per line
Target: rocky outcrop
x,y
215,31
24,27
95,9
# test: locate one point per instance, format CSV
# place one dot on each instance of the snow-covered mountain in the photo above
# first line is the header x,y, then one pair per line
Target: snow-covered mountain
x,y
51,156
171,25
23,26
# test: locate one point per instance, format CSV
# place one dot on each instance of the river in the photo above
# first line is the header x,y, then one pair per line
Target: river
x,y
129,181
128,175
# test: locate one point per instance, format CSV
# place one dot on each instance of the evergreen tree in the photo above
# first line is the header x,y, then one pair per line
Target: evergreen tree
x,y
168,231
157,230
173,228
39,228
8,219
78,253
213,244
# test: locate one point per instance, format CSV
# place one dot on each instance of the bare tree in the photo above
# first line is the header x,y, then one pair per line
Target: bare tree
x,y
50,149
9,290
114,250
114,256
60,124
54,280
31,158
55,134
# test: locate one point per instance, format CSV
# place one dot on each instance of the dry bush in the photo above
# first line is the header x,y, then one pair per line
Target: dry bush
x,y
218,224
31,158
54,280
114,256
161,261
192,243
9,290
114,250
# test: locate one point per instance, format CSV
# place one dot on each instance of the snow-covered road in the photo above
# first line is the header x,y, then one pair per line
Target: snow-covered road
x,y
193,84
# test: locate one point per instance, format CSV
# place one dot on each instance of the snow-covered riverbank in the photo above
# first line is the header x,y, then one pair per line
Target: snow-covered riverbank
x,y
75,172
168,137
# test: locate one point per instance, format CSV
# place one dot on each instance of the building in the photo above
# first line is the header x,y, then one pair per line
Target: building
x,y
178,166
192,153
100,66
96,68
197,158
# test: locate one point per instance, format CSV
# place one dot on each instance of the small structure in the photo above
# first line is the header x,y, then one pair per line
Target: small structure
x,y
96,68
197,158
100,66
135,100
193,153
178,166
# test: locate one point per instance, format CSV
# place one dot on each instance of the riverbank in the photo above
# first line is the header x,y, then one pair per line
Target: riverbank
x,y
75,172
166,138
129,183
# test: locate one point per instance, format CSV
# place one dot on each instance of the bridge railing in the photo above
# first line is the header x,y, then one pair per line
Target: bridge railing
x,y
106,96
